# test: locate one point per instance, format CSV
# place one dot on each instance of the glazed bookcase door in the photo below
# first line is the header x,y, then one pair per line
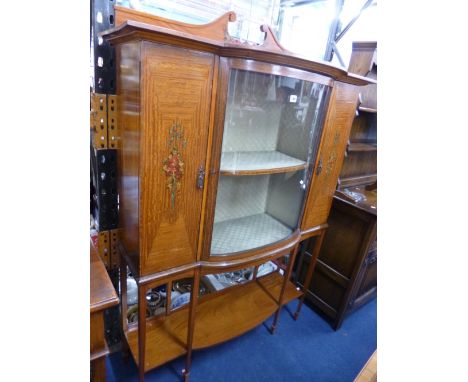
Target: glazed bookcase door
x,y
272,125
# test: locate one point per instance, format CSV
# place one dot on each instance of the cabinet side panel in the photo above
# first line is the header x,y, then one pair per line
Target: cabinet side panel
x,y
335,136
128,106
343,240
369,278
176,97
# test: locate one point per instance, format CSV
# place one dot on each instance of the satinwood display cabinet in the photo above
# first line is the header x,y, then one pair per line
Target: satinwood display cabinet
x,y
229,154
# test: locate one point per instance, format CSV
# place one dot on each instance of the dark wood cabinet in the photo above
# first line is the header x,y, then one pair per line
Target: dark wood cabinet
x,y
228,158
345,273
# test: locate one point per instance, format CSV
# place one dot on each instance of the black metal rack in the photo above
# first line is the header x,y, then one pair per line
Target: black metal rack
x,y
103,161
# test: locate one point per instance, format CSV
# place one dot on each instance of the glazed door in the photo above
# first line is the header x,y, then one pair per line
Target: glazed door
x,y
175,117
271,128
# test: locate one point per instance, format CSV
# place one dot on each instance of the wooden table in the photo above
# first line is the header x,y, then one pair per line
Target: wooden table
x,y
103,296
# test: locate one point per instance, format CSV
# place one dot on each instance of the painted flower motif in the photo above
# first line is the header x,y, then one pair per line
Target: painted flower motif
x,y
173,165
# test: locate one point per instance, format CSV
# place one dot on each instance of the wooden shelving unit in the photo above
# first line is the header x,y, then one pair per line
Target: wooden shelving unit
x,y
360,165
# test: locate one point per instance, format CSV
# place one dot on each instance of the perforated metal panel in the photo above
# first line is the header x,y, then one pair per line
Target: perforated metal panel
x,y
104,176
102,18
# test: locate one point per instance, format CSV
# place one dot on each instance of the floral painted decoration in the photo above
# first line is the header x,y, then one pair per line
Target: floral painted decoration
x,y
173,165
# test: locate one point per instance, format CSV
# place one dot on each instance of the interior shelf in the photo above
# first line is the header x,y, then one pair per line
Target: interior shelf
x,y
218,319
242,108
356,180
240,234
360,196
367,109
258,162
354,147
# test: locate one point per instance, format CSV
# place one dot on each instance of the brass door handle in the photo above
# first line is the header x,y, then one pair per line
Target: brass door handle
x,y
319,167
201,177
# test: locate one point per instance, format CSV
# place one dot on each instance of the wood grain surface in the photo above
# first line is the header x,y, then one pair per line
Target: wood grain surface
x,y
133,30
364,129
345,276
102,292
102,296
335,136
128,156
216,29
369,371
169,229
217,320
363,57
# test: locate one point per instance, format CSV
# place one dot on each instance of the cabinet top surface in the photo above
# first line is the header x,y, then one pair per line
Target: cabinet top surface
x,y
157,29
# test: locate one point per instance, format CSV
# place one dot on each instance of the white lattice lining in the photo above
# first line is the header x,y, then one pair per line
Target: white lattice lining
x,y
246,233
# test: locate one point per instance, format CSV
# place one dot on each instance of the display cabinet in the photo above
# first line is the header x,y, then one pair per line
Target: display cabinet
x,y
228,157
345,273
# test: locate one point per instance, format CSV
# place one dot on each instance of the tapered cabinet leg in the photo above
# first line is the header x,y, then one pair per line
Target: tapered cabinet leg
x,y
123,307
98,370
310,271
141,332
191,324
287,276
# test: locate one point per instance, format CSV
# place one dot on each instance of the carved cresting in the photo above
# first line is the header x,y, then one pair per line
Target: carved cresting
x,y
173,165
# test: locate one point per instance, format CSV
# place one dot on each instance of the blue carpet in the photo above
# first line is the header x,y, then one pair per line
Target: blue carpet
x,y
304,350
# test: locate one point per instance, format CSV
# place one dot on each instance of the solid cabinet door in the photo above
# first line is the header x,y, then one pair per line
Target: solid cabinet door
x,y
335,136
176,87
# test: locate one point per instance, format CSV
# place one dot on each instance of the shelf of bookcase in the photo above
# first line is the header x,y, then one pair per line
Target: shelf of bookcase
x,y
355,147
357,180
241,163
367,109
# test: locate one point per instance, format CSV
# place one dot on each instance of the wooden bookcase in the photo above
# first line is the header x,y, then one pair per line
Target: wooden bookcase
x,y
360,164
345,273
228,158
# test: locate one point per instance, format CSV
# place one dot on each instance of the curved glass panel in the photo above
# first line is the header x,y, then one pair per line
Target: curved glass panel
x,y
271,132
